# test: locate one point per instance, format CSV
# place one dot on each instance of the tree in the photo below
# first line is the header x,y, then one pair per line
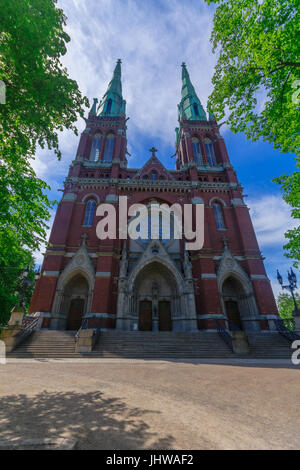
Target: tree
x,y
257,80
13,261
41,100
286,306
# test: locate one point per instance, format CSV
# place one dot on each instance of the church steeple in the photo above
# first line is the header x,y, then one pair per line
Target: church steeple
x,y
112,103
190,107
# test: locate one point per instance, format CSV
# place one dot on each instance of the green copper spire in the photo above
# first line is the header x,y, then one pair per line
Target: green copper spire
x,y
190,107
112,103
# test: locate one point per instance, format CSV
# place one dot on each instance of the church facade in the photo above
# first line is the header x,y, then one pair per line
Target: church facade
x,y
153,284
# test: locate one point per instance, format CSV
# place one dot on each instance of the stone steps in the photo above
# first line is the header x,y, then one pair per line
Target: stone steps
x,y
47,344
269,346
149,345
137,344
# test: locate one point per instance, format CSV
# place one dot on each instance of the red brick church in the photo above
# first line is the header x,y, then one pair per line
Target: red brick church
x,y
155,284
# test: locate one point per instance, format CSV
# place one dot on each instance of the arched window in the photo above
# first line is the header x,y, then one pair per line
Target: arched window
x,y
196,110
109,147
218,212
96,146
89,213
108,106
197,151
210,154
154,175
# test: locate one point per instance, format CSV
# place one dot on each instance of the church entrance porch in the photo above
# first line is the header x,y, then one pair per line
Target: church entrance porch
x,y
71,304
239,306
157,279
155,298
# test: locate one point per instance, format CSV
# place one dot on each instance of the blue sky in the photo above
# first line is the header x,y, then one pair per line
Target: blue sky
x,y
153,38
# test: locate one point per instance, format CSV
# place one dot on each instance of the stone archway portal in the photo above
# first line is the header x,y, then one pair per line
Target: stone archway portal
x,y
155,292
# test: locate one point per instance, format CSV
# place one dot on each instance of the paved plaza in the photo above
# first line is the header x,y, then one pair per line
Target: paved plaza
x,y
138,404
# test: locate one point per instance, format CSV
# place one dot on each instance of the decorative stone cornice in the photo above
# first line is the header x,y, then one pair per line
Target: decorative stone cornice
x,y
149,185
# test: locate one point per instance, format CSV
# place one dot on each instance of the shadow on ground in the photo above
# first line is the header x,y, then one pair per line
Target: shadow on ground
x,y
96,421
238,362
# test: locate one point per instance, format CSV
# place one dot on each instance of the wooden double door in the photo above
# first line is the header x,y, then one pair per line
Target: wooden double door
x,y
75,314
164,315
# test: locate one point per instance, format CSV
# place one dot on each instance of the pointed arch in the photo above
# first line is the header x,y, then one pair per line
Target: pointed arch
x,y
160,260
91,196
79,266
218,199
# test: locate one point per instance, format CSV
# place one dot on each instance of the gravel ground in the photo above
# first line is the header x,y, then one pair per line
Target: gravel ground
x,y
140,404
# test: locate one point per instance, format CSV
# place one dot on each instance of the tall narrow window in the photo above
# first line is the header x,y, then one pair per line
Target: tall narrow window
x,y
218,212
89,213
196,110
154,175
96,146
210,154
109,147
197,151
109,105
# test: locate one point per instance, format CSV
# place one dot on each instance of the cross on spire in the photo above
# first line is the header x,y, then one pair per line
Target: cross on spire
x,y
153,150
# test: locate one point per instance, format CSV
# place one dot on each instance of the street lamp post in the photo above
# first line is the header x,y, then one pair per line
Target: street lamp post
x,y
26,283
291,286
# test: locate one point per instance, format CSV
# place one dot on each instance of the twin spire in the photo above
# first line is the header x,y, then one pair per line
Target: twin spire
x,y
113,104
190,107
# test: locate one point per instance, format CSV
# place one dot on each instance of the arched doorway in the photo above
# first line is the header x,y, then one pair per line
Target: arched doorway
x,y
155,297
74,302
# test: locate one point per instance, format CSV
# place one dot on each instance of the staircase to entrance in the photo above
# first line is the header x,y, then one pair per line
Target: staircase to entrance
x,y
149,345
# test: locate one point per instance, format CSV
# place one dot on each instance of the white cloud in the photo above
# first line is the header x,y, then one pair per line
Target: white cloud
x,y
271,217
152,39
